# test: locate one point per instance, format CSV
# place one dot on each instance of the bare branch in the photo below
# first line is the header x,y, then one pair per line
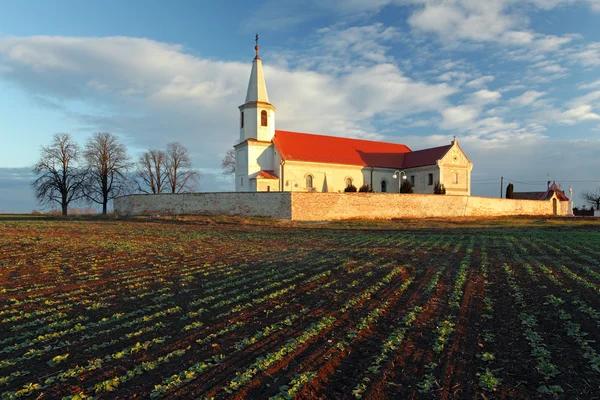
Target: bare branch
x,y
228,162
151,172
592,197
108,165
60,178
181,176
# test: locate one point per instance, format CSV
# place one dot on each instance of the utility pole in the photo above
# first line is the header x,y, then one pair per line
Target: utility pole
x,y
501,185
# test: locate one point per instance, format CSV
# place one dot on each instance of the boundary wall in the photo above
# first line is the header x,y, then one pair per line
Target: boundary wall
x,y
257,204
301,206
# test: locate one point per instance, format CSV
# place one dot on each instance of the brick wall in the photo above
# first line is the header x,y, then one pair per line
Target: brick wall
x,y
276,205
329,206
332,206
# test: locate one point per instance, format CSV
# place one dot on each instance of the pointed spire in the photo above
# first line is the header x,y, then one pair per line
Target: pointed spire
x,y
257,89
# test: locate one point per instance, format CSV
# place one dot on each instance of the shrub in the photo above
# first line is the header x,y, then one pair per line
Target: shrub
x,y
439,188
406,187
365,189
350,188
510,191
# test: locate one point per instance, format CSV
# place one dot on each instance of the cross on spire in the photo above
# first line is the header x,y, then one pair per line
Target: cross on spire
x,y
256,47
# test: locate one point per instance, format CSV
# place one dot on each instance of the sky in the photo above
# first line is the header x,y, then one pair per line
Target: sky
x,y
517,81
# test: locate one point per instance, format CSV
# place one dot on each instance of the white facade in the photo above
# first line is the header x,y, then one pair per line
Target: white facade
x,y
259,167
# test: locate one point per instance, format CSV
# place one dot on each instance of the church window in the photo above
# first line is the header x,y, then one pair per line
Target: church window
x,y
383,186
430,179
263,118
412,180
242,181
348,182
456,178
309,181
242,120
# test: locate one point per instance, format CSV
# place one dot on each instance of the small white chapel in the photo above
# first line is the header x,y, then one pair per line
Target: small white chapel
x,y
273,160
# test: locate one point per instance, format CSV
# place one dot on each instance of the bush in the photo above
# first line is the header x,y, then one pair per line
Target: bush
x,y
350,188
439,188
510,191
365,189
406,187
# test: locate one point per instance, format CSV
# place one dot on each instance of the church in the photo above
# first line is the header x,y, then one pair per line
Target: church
x,y
274,160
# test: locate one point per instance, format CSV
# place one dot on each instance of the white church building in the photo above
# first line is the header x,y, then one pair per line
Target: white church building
x,y
273,160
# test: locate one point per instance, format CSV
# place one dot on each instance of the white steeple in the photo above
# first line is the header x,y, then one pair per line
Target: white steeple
x,y
257,115
257,89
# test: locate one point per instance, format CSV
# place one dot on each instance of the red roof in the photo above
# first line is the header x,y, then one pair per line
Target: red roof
x,y
547,195
424,157
266,175
296,146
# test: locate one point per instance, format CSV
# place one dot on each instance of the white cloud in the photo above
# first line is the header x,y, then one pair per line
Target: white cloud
x,y
577,114
459,116
484,96
528,98
510,88
497,21
152,92
588,56
480,82
456,77
590,85
549,67
588,98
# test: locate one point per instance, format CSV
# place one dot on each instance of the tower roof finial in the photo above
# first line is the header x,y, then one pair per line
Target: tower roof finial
x,y
256,47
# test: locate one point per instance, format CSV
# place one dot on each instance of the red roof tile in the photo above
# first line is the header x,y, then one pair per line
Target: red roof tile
x,y
296,146
424,157
529,195
266,175
547,195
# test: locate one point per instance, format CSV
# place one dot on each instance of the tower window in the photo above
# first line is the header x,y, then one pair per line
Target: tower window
x,y
242,120
263,118
309,181
383,186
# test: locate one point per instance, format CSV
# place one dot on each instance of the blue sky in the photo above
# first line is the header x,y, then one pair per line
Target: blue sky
x,y
517,82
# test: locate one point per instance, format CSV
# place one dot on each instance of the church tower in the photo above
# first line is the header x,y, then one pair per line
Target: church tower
x,y
254,153
257,115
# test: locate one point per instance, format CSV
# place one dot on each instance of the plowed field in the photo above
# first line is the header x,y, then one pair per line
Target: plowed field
x,y
188,309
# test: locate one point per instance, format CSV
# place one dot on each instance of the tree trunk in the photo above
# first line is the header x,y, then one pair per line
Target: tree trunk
x,y
64,209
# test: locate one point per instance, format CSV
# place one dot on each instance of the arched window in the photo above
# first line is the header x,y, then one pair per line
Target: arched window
x,y
383,186
263,118
309,181
242,120
430,179
348,182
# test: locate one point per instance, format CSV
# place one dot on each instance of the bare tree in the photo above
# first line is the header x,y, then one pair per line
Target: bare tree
x,y
228,162
592,197
108,165
61,179
181,176
151,172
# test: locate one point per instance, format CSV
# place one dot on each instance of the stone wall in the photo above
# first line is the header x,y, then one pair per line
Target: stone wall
x,y
329,206
276,205
334,206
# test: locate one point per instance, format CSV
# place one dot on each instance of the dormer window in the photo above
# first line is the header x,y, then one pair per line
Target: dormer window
x,y
263,118
242,120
